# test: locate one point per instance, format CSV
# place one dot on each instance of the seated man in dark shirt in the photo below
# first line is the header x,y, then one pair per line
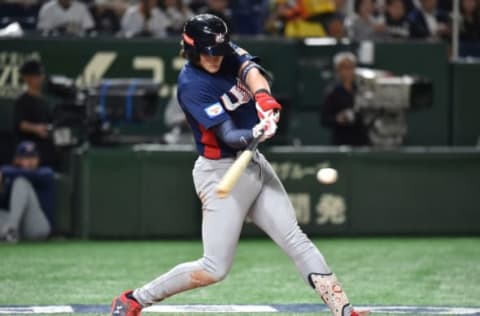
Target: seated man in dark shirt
x,y
396,21
428,21
337,111
26,197
32,113
470,23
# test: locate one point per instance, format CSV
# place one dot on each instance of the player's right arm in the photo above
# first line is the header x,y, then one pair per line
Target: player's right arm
x,y
208,111
240,138
200,101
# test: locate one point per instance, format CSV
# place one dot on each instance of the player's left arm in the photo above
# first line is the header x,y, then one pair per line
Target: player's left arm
x,y
258,81
260,88
254,77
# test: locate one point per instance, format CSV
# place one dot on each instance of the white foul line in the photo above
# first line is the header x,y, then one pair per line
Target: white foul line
x,y
281,308
54,309
211,309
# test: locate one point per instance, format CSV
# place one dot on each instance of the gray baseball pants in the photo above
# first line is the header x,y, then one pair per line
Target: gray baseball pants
x,y
25,215
259,195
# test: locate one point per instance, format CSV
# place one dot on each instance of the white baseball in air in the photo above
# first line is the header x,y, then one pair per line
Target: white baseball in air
x,y
327,175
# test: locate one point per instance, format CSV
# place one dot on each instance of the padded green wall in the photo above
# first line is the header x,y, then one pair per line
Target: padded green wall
x,y
466,100
128,194
124,193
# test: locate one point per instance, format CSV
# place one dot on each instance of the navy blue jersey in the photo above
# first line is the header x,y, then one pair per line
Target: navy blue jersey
x,y
42,180
210,99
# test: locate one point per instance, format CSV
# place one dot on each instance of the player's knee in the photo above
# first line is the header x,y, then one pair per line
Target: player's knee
x,y
216,268
203,278
221,273
20,183
38,234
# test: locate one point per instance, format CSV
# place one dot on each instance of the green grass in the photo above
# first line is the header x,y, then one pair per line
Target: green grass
x,y
404,271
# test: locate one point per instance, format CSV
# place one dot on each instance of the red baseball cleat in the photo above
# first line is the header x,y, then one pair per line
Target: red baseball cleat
x,y
124,306
360,313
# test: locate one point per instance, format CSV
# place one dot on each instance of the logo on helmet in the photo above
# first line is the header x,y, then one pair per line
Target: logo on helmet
x,y
219,38
29,147
188,39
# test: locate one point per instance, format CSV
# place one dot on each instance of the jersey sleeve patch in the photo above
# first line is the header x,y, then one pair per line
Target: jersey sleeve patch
x,y
214,110
242,55
240,51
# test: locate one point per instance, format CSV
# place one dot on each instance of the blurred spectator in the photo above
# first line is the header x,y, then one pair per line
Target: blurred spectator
x,y
24,12
337,111
470,26
106,15
378,7
249,16
175,120
410,5
275,23
26,197
145,19
336,27
335,24
177,14
64,17
303,18
363,25
396,21
32,115
219,8
341,9
195,5
445,5
428,22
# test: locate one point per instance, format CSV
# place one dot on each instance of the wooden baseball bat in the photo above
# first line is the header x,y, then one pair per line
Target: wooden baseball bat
x,y
233,173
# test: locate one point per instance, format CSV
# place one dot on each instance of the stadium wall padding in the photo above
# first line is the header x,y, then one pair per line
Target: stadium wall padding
x,y
301,73
150,194
125,193
466,109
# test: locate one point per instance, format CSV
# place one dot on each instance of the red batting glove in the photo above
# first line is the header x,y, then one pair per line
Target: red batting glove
x,y
267,105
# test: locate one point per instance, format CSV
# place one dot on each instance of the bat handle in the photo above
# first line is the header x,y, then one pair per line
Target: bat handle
x,y
254,143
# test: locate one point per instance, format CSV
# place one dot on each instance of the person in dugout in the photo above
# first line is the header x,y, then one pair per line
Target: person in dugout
x,y
26,197
32,114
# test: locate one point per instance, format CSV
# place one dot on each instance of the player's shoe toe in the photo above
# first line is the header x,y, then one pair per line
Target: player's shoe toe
x,y
123,305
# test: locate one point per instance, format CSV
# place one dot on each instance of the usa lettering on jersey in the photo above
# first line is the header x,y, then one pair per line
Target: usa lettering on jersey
x,y
214,110
236,96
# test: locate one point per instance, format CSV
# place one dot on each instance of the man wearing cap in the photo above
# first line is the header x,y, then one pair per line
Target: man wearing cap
x,y
26,196
32,113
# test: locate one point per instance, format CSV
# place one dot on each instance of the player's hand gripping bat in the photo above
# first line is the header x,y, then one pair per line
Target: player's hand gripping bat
x,y
262,131
233,173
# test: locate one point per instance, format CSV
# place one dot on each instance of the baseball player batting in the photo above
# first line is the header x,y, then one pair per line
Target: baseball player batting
x,y
225,95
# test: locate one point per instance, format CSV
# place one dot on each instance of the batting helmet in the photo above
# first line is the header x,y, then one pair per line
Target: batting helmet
x,y
205,34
